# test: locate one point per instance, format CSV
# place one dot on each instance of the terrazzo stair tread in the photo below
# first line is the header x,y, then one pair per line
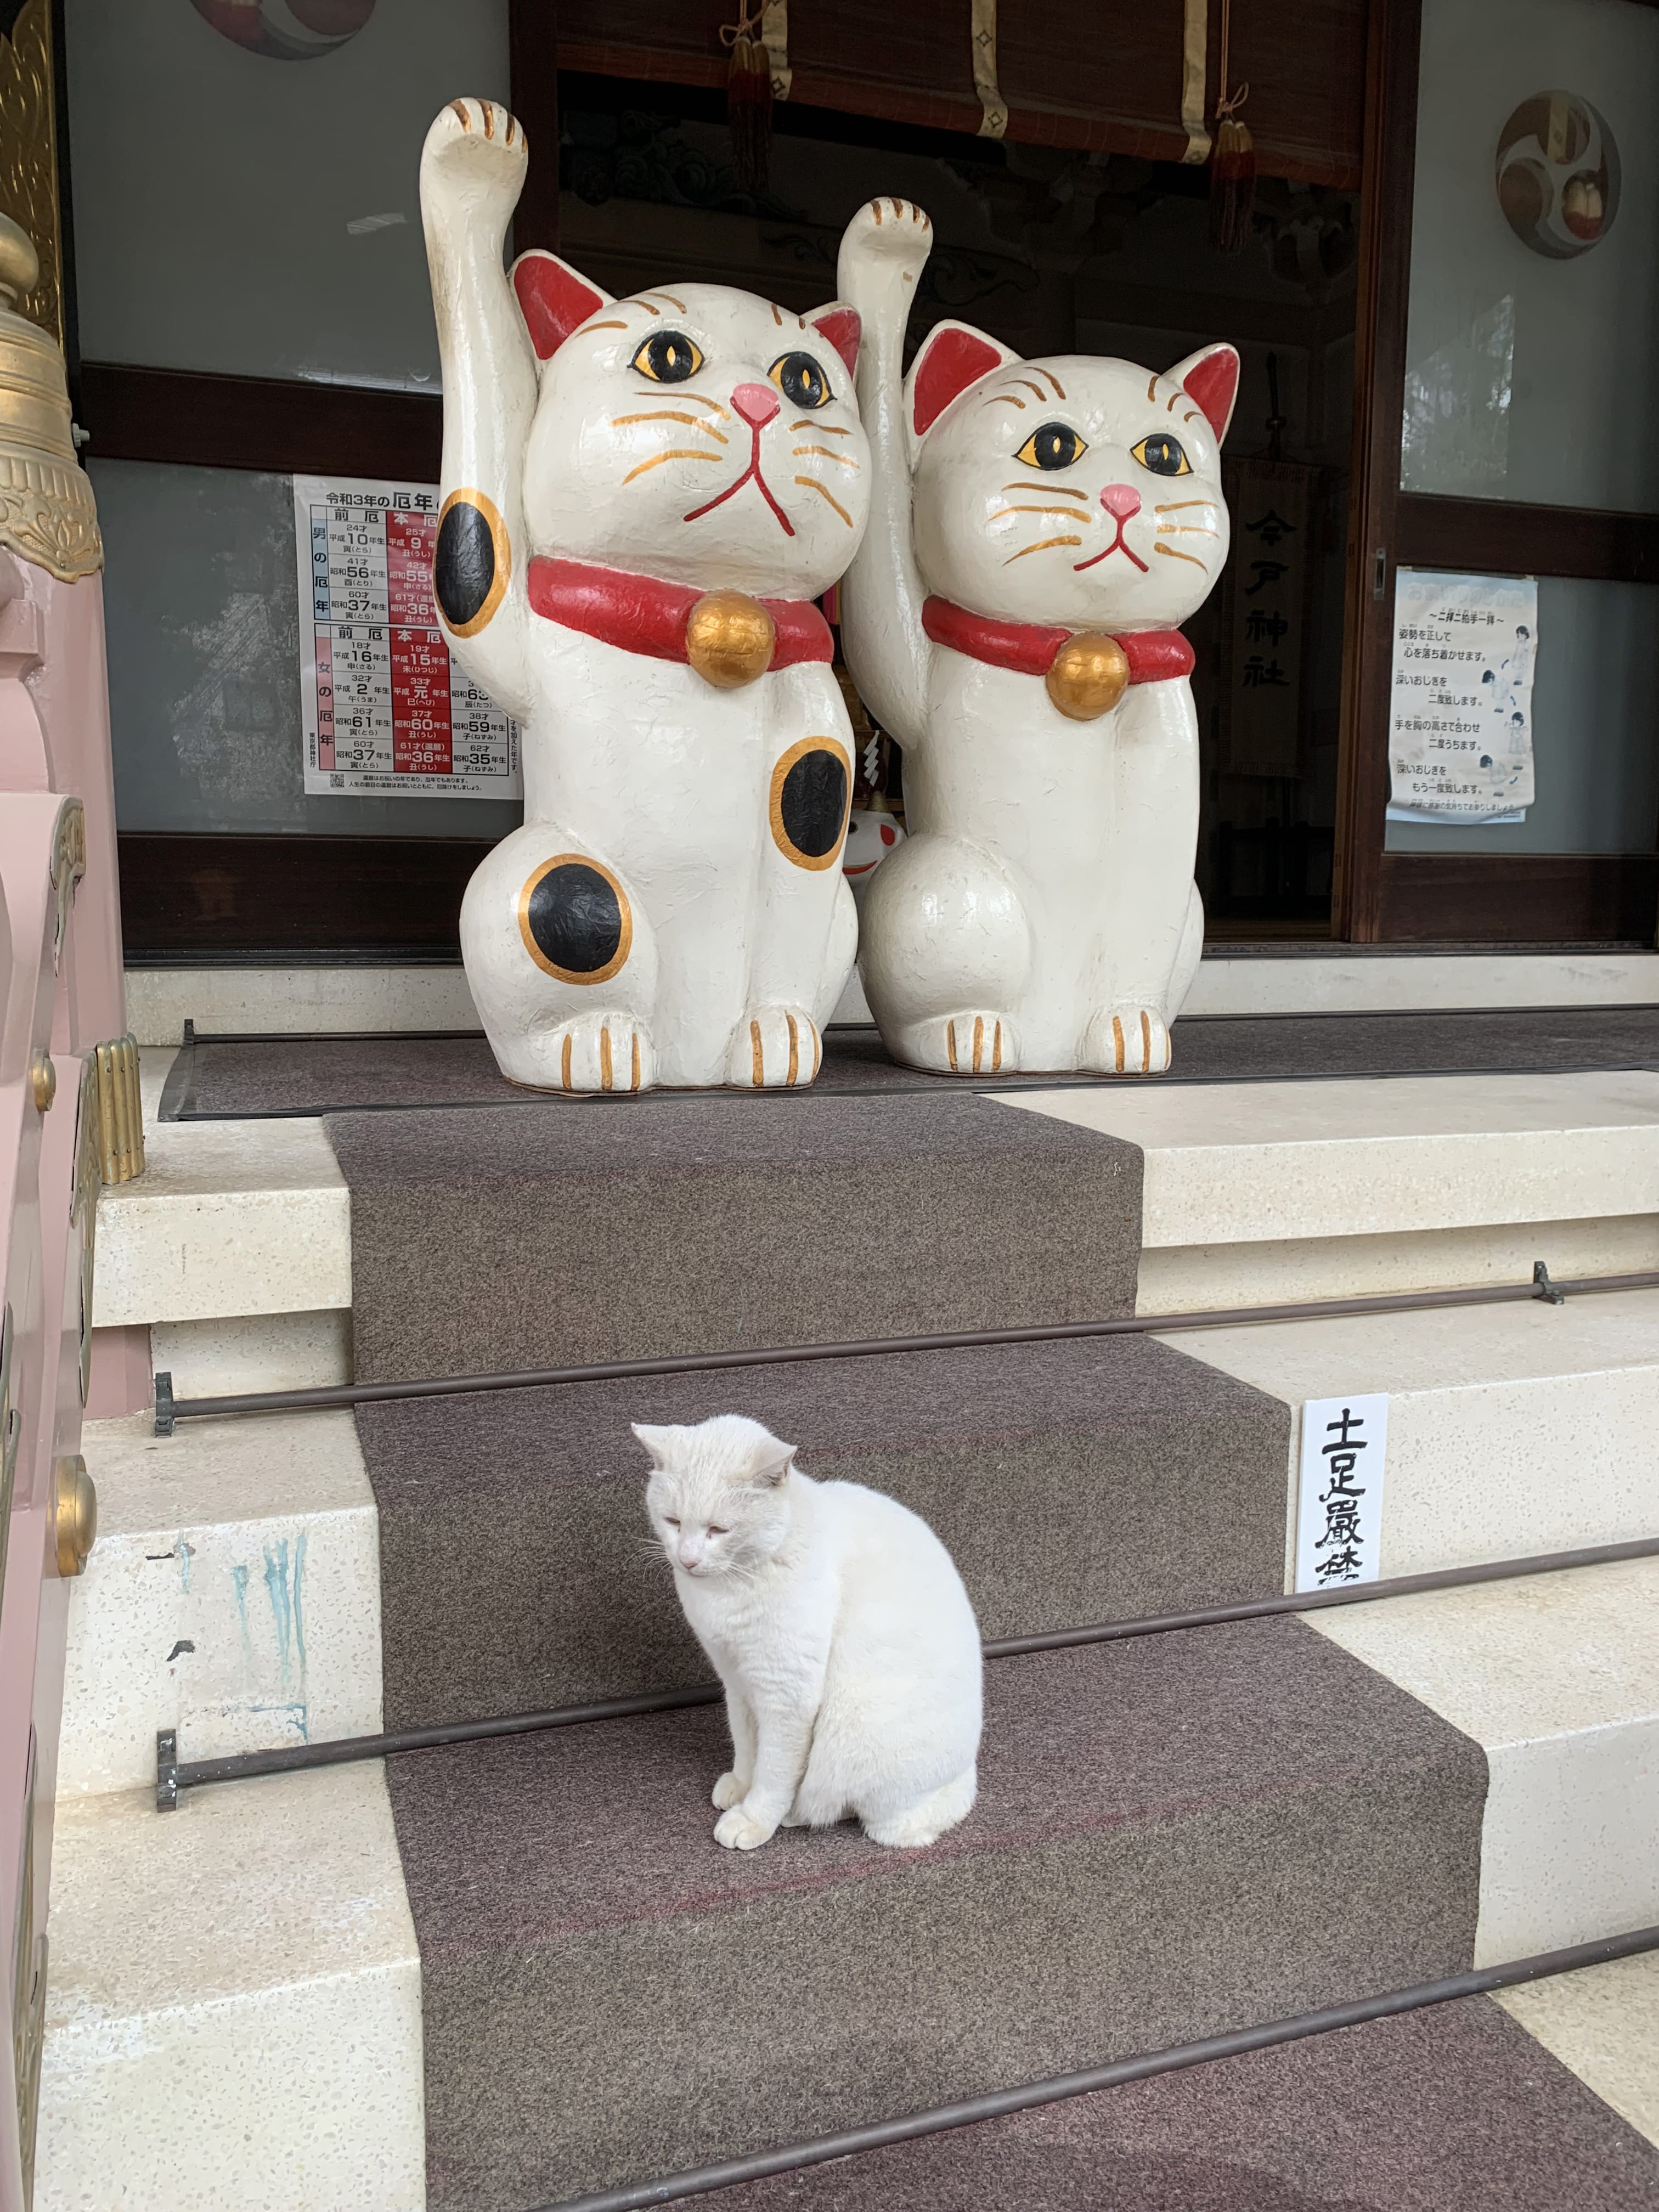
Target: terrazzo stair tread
x,y
608,1994
223,1077
233,1594
1604,2023
511,1237
1073,1482
1512,1429
235,1219
233,2004
1452,2109
1557,1678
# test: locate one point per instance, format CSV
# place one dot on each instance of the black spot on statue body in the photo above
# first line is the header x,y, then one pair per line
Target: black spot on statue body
x,y
464,566
575,918
814,803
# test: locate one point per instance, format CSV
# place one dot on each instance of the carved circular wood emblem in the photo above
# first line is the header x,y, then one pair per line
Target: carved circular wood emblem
x,y
1557,175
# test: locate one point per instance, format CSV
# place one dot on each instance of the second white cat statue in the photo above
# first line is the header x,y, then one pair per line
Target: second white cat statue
x,y
839,1628
1038,530
643,499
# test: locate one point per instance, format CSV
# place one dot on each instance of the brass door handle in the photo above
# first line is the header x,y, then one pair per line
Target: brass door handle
x,y
43,1080
74,1515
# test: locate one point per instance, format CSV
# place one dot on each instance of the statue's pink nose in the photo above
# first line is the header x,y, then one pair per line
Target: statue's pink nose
x,y
1120,499
757,403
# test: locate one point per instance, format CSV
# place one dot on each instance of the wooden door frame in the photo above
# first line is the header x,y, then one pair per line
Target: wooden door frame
x,y
1379,896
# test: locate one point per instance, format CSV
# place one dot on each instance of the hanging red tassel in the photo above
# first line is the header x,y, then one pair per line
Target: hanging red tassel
x,y
748,100
1232,161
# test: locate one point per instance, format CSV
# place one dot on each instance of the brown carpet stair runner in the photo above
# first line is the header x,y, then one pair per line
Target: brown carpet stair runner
x,y
1176,1835
231,1077
1452,2109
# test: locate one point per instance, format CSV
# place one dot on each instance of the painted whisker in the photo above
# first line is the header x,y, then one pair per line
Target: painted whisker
x,y
1175,506
1064,491
1188,529
845,460
1176,554
812,484
823,429
674,453
1069,513
672,415
1041,546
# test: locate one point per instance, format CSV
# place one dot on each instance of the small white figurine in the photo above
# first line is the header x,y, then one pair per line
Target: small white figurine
x,y
641,501
1039,529
840,1629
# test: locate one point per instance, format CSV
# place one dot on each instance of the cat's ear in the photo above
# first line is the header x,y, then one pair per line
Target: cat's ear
x,y
953,356
843,326
553,299
660,1443
770,1463
1210,379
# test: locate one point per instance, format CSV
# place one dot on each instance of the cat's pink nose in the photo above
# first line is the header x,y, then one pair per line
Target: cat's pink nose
x,y
757,403
1120,499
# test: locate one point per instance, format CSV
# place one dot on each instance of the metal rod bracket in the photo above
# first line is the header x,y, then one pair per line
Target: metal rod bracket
x,y
165,1411
1543,1288
167,1770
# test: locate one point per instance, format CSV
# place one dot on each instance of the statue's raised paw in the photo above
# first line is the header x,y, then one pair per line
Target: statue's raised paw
x,y
889,231
1128,1041
477,147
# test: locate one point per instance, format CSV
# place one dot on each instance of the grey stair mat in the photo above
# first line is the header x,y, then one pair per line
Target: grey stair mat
x,y
512,1237
229,1077
1175,1836
1105,1479
1453,2109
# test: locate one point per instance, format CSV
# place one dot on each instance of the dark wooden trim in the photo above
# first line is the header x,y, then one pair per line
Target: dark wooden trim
x,y
1520,898
221,897
258,422
1498,537
533,36
1379,389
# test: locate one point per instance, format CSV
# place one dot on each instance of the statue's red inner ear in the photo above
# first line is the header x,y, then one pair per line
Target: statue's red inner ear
x,y
843,329
553,299
1214,383
951,360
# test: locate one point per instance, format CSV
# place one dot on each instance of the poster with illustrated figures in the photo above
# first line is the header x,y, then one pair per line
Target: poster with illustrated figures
x,y
1460,734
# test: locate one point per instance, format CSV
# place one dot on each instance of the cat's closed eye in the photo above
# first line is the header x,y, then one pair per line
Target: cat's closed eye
x,y
1163,454
801,380
667,357
1052,446
670,1519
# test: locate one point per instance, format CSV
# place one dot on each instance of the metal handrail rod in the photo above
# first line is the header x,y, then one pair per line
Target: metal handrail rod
x,y
170,1410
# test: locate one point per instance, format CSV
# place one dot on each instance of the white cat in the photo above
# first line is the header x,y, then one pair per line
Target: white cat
x,y
1026,515
627,562
840,1629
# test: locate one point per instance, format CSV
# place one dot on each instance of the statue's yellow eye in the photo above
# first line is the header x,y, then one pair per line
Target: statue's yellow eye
x,y
1053,446
1163,454
800,380
667,357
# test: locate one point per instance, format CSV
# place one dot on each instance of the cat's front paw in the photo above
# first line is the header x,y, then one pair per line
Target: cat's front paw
x,y
1128,1041
739,1831
776,1048
731,1790
602,1051
886,233
961,1044
476,148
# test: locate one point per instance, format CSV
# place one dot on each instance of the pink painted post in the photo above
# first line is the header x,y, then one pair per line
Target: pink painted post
x,y
69,1119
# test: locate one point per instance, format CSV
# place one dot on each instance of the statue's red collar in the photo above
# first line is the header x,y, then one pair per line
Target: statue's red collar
x,y
643,614
1028,648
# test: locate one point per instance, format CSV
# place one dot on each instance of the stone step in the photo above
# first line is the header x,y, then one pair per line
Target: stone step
x,y
233,2005
233,1594
1557,1678
1253,1194
1155,1817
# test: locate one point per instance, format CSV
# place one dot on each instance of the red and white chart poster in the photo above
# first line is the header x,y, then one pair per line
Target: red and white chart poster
x,y
386,710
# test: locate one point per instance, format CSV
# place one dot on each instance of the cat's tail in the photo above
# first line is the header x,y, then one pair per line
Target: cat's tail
x,y
928,1818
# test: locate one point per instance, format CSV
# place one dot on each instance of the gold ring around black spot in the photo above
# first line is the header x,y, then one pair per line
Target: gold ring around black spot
x,y
624,942
465,495
781,836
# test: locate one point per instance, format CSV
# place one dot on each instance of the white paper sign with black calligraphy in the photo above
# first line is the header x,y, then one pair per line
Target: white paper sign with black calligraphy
x,y
1459,729
1338,1525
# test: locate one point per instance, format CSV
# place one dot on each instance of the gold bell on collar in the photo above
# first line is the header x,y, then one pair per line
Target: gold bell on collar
x,y
729,638
1087,676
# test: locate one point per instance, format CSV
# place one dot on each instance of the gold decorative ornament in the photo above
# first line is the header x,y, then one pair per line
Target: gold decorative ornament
x,y
120,1113
729,639
47,513
43,1080
28,156
74,1515
1088,676
69,866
